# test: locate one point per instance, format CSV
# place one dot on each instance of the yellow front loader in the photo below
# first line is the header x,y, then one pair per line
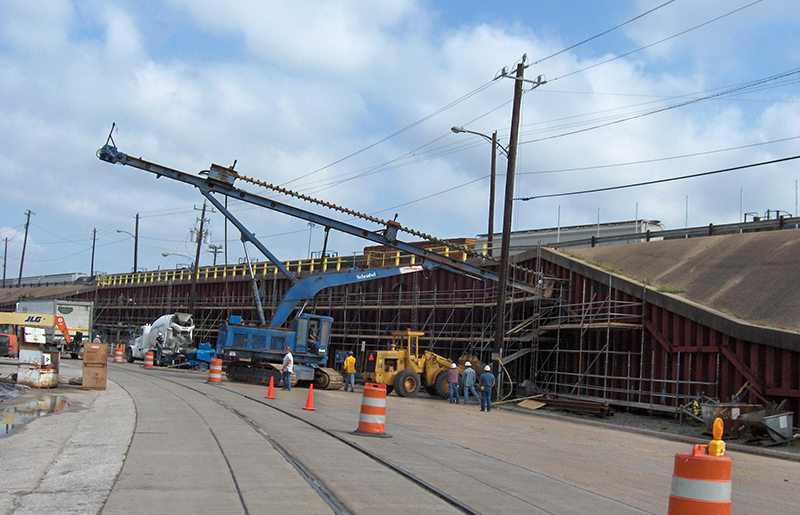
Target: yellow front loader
x,y
404,370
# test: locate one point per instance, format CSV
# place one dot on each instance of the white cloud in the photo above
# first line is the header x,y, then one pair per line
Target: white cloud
x,y
290,88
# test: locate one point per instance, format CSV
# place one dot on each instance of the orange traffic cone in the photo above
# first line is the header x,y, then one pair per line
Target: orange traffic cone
x,y
271,391
310,402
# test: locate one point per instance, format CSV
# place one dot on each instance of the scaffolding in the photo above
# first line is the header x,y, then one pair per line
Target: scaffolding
x,y
575,337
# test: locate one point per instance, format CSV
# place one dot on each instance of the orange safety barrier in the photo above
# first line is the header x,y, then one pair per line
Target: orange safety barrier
x,y
148,359
372,419
701,481
271,391
310,401
118,354
215,372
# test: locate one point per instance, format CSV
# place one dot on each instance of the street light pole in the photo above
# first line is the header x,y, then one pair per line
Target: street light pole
x,y
311,226
495,145
135,244
191,263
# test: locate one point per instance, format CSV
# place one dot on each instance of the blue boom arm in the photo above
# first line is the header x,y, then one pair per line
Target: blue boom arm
x,y
305,289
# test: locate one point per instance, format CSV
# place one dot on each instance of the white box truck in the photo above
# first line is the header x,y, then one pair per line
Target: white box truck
x,y
78,316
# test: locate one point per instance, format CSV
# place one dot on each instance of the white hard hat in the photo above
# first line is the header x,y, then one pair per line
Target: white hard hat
x,y
467,364
487,368
452,365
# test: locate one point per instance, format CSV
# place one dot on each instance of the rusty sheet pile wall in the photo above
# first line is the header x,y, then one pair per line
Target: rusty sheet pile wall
x,y
590,334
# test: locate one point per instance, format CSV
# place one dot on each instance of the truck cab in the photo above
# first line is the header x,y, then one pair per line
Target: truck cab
x,y
9,345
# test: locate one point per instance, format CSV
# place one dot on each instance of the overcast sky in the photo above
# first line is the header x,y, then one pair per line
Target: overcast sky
x,y
352,102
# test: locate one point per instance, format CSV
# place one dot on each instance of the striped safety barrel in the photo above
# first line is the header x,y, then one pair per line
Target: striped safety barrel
x,y
701,484
372,419
148,359
118,354
215,372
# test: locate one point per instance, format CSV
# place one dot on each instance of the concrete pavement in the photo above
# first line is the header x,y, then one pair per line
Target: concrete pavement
x,y
66,462
107,453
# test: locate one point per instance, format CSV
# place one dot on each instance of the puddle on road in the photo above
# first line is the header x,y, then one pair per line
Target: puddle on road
x,y
19,414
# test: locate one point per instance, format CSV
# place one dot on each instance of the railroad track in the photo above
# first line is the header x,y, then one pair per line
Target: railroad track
x,y
312,477
411,466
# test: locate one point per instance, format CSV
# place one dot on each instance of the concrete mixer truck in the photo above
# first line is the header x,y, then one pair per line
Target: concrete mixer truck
x,y
173,332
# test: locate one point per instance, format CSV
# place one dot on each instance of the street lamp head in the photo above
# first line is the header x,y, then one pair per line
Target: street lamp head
x,y
502,149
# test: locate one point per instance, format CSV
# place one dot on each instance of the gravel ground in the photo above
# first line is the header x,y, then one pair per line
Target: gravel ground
x,y
668,427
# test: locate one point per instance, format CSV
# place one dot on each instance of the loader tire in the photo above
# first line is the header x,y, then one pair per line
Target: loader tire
x,y
406,383
442,385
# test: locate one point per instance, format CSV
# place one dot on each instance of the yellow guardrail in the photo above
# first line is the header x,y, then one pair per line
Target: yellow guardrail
x,y
314,265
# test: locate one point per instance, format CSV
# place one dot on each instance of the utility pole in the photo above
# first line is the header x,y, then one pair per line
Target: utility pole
x,y
28,214
5,257
502,284
197,260
508,206
225,238
136,246
94,240
215,249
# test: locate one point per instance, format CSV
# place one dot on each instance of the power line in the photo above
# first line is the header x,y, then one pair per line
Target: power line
x,y
658,42
659,159
465,97
404,129
673,106
603,33
658,181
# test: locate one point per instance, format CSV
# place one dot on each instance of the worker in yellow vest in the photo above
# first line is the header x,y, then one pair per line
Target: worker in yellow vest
x,y
350,372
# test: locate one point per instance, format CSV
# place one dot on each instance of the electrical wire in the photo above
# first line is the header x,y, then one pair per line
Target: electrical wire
x,y
660,159
658,42
398,132
658,181
465,97
670,107
603,33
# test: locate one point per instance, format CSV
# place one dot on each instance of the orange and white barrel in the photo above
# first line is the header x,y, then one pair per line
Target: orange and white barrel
x,y
215,372
148,359
118,354
372,419
701,484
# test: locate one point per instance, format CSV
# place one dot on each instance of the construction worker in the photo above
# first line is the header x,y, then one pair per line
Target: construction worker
x,y
286,370
452,376
159,348
486,382
350,371
469,382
